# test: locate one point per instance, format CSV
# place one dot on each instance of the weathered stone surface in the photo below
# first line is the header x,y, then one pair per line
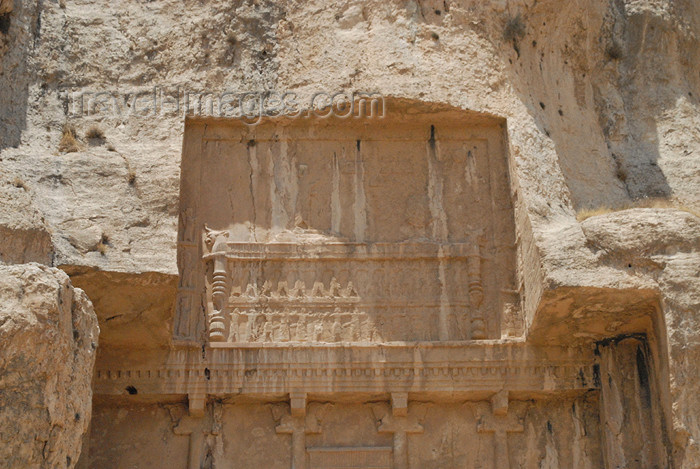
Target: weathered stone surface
x,y
389,48
134,311
290,265
664,247
325,231
49,335
24,236
599,106
440,435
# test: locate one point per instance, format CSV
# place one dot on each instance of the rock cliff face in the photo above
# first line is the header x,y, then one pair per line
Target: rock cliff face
x,y
49,335
663,247
594,93
598,103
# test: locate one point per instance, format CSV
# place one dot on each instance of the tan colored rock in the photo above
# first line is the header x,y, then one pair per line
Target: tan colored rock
x,y
134,311
5,6
596,104
664,246
630,236
366,302
24,236
49,335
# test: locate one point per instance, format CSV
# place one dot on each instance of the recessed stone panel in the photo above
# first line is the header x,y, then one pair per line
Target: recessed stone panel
x,y
340,231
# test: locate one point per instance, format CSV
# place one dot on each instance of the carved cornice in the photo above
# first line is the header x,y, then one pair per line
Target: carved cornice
x,y
339,368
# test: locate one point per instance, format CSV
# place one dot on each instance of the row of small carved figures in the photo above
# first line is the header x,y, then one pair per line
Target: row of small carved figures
x,y
299,292
252,326
319,293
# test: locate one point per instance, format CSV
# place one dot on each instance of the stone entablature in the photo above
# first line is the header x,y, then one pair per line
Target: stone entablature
x,y
428,368
401,384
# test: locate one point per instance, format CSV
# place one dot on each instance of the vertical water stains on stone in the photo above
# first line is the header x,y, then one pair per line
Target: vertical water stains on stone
x,y
643,376
5,22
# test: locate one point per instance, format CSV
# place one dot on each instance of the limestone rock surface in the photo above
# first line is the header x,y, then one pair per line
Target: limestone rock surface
x,y
599,101
49,332
24,236
663,246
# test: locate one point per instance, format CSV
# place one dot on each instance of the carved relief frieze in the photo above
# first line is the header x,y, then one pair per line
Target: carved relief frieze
x,y
268,293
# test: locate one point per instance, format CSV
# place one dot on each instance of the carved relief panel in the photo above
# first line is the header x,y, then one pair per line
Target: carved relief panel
x,y
337,232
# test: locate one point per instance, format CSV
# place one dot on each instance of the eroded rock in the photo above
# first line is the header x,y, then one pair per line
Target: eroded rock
x,y
48,332
24,236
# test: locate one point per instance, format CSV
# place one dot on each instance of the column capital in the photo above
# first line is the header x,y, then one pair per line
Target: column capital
x,y
399,404
297,403
197,403
499,403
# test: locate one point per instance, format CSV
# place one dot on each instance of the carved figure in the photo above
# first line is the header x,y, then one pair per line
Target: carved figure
x,y
215,240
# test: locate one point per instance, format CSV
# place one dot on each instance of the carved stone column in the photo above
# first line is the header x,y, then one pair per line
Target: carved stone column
x,y
500,423
216,241
217,325
476,294
295,426
400,424
298,424
197,424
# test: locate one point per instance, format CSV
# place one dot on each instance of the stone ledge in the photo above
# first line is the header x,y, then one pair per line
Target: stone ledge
x,y
416,368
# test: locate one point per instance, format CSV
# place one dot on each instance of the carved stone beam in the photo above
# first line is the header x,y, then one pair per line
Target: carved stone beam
x,y
499,403
297,403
